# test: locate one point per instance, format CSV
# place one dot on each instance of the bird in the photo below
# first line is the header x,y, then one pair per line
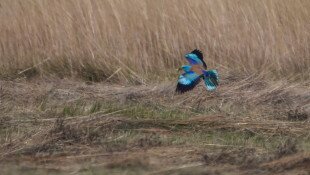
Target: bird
x,y
194,72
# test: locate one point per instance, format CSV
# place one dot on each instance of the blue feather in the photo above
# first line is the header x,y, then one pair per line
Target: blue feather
x,y
211,73
193,59
187,81
186,68
210,86
211,79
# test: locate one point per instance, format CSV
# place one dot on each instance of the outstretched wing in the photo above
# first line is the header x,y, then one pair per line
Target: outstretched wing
x,y
196,58
187,81
211,79
200,56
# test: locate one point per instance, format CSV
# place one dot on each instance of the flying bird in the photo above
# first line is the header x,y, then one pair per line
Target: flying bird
x,y
194,72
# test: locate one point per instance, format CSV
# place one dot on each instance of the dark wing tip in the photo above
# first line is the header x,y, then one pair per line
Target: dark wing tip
x,y
181,88
198,53
200,56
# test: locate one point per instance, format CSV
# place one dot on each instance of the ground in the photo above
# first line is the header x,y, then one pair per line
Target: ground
x,y
61,126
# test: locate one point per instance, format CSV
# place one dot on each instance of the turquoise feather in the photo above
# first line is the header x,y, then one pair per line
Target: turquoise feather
x,y
186,68
193,59
211,79
187,81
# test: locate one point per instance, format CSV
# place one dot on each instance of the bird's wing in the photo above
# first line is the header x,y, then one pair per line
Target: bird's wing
x,y
211,79
193,60
196,58
200,56
187,81
198,53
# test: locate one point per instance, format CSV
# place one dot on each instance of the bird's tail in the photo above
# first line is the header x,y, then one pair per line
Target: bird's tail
x,y
211,79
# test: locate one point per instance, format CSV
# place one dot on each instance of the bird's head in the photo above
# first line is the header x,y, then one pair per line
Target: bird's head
x,y
185,68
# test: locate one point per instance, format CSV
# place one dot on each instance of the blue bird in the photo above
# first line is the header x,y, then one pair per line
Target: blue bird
x,y
194,72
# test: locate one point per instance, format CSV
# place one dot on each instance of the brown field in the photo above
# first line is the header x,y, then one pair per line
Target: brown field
x,y
87,87
145,39
64,126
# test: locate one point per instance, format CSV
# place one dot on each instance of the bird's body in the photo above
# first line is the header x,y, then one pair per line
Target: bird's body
x,y
194,72
194,68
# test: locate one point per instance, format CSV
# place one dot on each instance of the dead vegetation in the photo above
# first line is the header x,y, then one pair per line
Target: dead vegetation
x,y
141,41
85,87
149,129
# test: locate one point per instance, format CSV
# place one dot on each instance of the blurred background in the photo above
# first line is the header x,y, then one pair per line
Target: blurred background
x,y
146,40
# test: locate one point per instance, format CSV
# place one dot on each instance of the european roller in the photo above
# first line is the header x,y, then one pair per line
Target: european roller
x,y
194,72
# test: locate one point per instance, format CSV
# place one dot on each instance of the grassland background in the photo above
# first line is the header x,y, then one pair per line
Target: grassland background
x,y
250,125
146,39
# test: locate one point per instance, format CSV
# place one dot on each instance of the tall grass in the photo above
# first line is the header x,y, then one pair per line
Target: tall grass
x,y
137,39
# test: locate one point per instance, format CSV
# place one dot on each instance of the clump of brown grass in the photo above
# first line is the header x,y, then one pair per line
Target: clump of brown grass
x,y
138,39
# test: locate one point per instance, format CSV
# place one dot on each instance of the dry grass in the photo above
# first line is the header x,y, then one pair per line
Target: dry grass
x,y
69,126
249,124
143,39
